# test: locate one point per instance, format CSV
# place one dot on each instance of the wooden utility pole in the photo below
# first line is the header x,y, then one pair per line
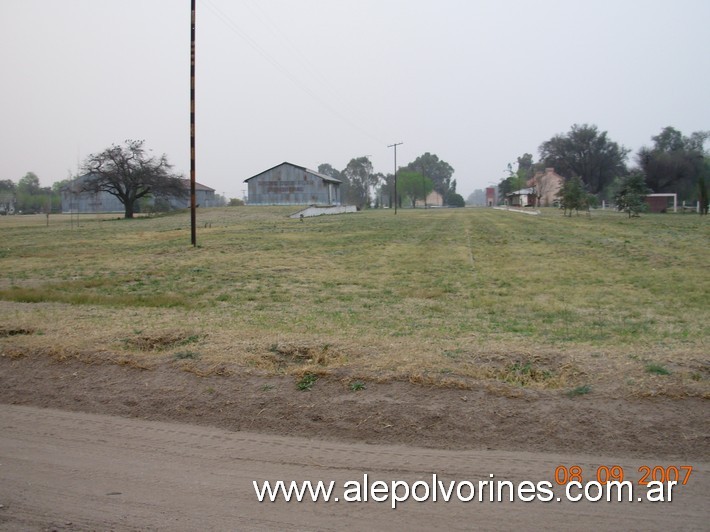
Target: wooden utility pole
x,y
395,172
193,214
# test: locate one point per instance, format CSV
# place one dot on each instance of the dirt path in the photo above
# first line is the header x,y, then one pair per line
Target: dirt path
x,y
75,471
391,412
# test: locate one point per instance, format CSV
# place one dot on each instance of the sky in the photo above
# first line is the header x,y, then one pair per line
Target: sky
x,y
476,82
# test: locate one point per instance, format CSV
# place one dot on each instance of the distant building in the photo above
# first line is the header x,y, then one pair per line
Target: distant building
x,y
525,197
77,200
546,186
204,197
491,199
434,199
662,202
7,203
290,184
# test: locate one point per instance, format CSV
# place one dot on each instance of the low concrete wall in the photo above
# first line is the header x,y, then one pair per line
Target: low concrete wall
x,y
315,210
514,209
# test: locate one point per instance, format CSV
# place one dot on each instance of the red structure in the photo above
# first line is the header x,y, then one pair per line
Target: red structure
x,y
491,197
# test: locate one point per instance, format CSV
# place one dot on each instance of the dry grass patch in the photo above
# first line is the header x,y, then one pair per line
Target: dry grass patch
x,y
160,341
429,295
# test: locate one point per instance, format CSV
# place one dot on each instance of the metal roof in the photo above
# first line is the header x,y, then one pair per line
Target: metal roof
x,y
317,174
521,192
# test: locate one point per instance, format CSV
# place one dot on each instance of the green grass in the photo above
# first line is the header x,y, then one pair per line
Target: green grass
x,y
387,293
579,390
657,369
306,383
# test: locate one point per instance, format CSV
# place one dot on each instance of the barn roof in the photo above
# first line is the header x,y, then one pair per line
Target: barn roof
x,y
324,177
76,182
521,192
198,186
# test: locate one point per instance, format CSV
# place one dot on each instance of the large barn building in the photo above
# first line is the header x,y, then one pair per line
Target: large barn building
x,y
290,184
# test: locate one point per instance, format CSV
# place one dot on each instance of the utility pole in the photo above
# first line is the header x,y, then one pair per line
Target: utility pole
x,y
193,216
395,172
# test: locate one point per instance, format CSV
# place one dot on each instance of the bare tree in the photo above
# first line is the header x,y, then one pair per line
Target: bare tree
x,y
128,173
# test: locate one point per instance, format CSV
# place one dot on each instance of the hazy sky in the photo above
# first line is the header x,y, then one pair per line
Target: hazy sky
x,y
322,81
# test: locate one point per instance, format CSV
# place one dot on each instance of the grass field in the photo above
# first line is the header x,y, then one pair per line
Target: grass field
x,y
443,296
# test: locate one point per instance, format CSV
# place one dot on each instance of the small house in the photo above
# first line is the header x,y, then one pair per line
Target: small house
x,y
525,197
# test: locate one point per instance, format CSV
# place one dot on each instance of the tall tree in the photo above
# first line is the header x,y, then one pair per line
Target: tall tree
x,y
414,186
440,172
129,173
32,197
360,178
587,153
526,166
386,190
327,169
29,184
675,163
7,186
519,178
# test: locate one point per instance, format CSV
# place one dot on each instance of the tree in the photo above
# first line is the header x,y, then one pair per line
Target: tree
x,y
429,165
33,198
574,196
29,184
386,190
7,186
703,196
455,200
519,178
587,153
327,169
360,179
452,198
129,174
630,194
675,162
414,186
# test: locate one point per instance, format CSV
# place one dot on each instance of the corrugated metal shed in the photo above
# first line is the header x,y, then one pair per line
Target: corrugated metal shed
x,y
290,184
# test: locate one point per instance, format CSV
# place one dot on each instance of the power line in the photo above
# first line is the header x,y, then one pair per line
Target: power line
x,y
232,26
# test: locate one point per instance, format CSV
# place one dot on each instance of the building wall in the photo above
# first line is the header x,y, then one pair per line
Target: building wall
x,y
203,198
547,184
76,200
657,203
522,200
434,199
87,202
287,184
491,199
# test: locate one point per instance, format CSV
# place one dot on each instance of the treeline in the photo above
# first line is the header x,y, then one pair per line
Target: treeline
x,y
28,197
362,187
674,163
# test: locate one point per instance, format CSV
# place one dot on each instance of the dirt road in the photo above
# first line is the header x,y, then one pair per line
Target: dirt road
x,y
75,471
